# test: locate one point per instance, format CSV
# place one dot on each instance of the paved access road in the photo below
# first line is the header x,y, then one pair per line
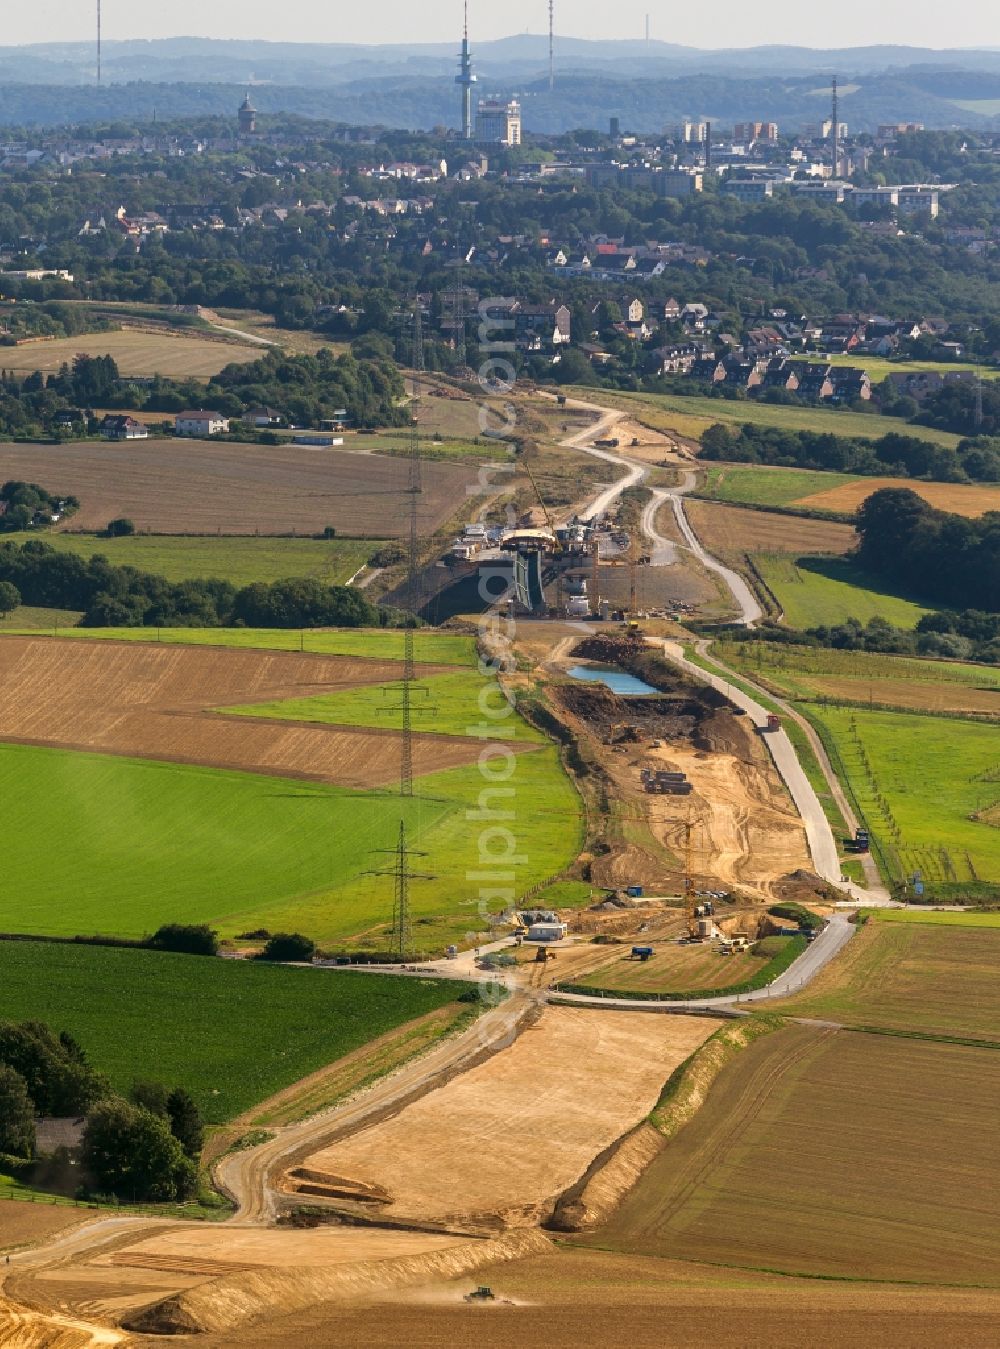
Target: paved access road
x,y
750,611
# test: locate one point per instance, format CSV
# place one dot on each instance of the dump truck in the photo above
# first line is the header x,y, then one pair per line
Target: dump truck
x,y
773,722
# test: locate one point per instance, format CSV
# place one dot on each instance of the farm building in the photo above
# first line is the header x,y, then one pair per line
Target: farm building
x,y
123,428
200,424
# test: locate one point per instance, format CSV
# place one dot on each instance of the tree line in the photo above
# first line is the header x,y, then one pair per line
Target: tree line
x,y
143,1146
124,597
933,553
893,455
363,386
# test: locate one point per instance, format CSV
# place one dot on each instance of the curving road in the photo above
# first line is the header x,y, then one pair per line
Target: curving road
x,y
819,835
830,942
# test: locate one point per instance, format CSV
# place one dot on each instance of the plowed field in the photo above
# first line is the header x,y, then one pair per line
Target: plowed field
x,y
155,702
201,487
730,529
878,1193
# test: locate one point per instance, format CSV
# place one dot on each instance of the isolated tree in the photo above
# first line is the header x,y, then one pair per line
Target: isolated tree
x,y
131,1153
186,1122
119,528
193,939
10,598
17,1115
288,946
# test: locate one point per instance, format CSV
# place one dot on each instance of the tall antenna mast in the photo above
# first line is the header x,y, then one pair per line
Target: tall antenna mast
x,y
465,78
647,27
552,45
835,130
98,41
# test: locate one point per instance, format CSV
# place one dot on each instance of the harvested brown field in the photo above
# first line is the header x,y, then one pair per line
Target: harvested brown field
x,y
151,701
936,979
926,696
571,1298
832,1153
205,487
958,498
22,1223
496,1146
728,529
137,351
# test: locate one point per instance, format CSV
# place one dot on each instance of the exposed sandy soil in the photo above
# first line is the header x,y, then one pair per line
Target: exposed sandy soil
x,y
572,1298
21,1223
498,1144
730,529
201,487
152,701
746,831
945,496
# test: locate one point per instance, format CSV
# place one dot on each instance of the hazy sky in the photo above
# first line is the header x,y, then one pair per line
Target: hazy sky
x,y
724,23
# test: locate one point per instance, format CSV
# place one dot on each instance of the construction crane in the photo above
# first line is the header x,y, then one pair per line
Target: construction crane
x,y
595,575
549,522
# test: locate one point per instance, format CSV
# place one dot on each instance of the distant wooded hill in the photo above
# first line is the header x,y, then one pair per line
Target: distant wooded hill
x,y
941,97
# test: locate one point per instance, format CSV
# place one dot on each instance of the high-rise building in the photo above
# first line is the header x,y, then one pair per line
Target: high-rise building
x,y
498,122
466,79
747,133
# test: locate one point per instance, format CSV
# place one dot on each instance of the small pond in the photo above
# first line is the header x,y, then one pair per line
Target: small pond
x,y
618,681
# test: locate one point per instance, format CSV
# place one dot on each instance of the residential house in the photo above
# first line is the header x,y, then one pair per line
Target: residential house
x,y
123,428
850,384
200,423
815,380
677,358
780,373
263,417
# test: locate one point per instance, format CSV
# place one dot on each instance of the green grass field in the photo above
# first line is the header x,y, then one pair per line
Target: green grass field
x,y
430,646
879,367
826,591
142,843
754,485
27,618
239,560
937,917
795,667
232,1032
839,422
446,704
919,780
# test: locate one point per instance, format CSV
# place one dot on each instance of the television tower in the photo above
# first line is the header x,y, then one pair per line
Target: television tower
x,y
552,45
835,130
98,41
465,79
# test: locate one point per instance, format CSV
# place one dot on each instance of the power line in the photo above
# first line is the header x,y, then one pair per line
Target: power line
x,y
401,941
